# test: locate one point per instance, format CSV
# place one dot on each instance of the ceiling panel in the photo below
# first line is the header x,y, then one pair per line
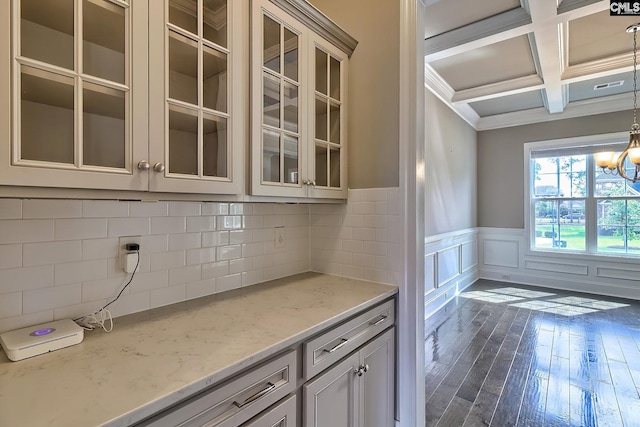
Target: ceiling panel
x,y
507,104
505,60
599,36
446,15
585,90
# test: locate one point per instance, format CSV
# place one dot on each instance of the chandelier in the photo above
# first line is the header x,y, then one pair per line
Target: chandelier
x,y
607,160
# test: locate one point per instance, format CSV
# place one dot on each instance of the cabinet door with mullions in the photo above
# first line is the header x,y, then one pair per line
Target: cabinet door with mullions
x,y
72,103
278,154
195,135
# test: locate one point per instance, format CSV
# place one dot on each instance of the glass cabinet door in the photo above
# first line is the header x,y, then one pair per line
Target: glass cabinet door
x,y
72,92
280,112
191,108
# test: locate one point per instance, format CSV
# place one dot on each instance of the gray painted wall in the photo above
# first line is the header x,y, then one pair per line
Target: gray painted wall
x,y
501,162
374,89
450,171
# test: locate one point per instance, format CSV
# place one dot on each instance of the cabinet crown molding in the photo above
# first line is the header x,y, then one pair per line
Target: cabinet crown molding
x,y
319,23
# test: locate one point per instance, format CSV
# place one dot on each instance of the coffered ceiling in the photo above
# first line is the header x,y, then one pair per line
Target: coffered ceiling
x,y
501,63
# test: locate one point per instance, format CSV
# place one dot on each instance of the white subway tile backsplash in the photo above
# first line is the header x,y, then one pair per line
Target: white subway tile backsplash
x,y
51,252
128,226
170,225
104,209
215,269
48,298
188,249
201,223
11,304
188,274
200,289
81,271
201,256
26,230
144,282
229,252
166,260
216,238
184,209
160,297
181,242
37,208
26,278
79,229
144,209
10,209
227,283
10,256
215,209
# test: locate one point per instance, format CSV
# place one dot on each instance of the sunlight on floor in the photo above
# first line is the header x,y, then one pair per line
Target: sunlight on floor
x,y
536,300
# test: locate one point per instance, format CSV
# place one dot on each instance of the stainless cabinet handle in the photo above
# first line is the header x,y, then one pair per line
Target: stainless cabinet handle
x,y
158,167
143,165
361,370
270,386
337,347
377,322
313,182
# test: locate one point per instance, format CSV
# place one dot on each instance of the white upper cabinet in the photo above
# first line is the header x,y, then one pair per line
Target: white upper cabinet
x,y
128,95
197,92
298,104
74,75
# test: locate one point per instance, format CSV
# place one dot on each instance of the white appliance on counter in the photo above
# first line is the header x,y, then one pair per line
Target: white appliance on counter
x,y
34,340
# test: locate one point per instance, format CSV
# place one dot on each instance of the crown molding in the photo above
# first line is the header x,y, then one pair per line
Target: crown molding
x,y
588,107
319,22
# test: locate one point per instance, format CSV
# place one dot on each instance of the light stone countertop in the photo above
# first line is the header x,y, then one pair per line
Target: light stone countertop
x,y
155,358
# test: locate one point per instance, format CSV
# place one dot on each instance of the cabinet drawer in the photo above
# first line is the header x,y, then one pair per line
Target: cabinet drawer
x,y
235,401
282,415
326,349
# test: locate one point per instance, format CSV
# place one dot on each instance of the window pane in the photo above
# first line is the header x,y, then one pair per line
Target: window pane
x,y
560,225
290,107
271,100
184,14
183,141
633,240
46,116
215,21
334,123
334,168
334,65
270,156
104,140
215,79
183,68
47,31
560,176
271,44
291,159
321,165
215,146
290,55
608,185
321,71
321,119
103,45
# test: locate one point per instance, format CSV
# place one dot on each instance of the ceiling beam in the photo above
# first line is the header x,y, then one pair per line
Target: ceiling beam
x,y
549,42
497,90
503,26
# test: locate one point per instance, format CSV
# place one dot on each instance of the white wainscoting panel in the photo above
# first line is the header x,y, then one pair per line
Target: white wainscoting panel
x,y
451,265
557,267
504,257
448,264
501,253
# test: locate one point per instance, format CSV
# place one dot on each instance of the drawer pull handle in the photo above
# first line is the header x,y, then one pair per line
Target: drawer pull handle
x,y
337,347
270,386
377,322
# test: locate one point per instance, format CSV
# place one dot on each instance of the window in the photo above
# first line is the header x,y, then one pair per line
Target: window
x,y
573,206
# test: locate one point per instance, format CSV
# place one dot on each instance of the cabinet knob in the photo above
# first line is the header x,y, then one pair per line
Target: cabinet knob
x,y
361,370
158,167
143,165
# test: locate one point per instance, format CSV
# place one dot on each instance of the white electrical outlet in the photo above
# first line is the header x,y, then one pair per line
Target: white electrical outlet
x,y
279,240
122,252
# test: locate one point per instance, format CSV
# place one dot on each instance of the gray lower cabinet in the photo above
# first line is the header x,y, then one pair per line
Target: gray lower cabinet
x,y
356,392
283,414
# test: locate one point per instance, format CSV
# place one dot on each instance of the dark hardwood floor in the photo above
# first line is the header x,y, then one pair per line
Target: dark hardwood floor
x,y
511,355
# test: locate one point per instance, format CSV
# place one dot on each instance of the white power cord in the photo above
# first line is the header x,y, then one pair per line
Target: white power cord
x,y
100,317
